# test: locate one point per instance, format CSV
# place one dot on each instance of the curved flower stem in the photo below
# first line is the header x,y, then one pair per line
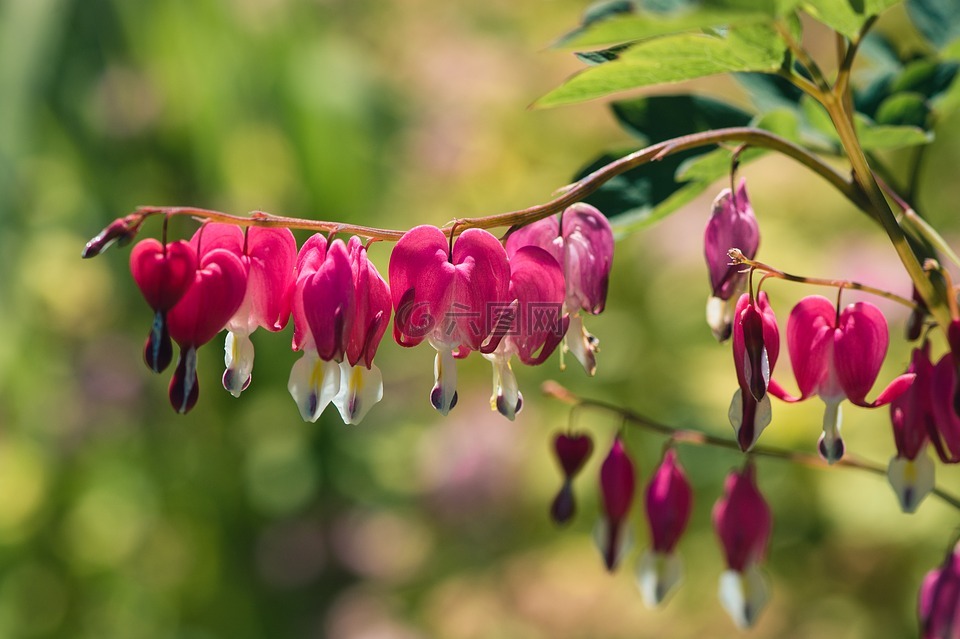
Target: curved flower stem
x,y
689,436
737,257
573,193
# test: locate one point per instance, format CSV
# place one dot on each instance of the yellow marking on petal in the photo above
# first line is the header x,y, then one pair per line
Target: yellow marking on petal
x,y
910,472
356,380
316,375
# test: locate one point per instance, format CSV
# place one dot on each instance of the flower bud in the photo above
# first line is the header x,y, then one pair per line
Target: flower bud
x,y
616,491
939,600
572,452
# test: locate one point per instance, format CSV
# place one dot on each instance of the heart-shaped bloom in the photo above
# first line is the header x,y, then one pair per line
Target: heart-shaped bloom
x,y
452,299
323,306
617,485
218,288
742,521
572,452
838,356
361,384
756,346
944,431
732,225
532,326
939,601
669,500
269,256
911,471
582,243
163,273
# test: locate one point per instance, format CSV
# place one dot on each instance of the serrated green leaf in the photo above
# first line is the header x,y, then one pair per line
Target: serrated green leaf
x,y
674,59
937,20
845,16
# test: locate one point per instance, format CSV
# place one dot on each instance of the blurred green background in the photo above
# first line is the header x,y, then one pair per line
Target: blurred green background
x,y
121,519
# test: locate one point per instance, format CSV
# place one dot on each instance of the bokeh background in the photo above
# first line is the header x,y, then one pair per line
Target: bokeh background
x,y
120,519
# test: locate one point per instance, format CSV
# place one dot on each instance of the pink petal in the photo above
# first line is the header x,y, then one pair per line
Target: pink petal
x,y
480,287
946,436
328,303
742,520
311,256
536,282
669,500
588,251
372,299
732,224
860,344
810,342
617,483
272,254
163,275
543,233
216,235
939,600
770,333
911,413
572,451
217,291
421,279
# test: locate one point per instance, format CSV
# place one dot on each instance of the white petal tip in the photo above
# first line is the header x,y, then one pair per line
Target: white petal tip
x,y
657,576
912,480
743,595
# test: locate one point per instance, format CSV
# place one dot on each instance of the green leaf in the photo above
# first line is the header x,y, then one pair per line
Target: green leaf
x,y
659,118
601,56
937,20
874,137
674,59
845,16
769,92
619,21
908,108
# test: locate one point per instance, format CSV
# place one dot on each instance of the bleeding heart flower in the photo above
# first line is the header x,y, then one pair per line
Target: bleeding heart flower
x,y
616,492
669,500
742,521
269,257
911,471
163,274
451,299
572,452
756,346
216,293
532,326
732,225
939,600
944,430
838,356
582,243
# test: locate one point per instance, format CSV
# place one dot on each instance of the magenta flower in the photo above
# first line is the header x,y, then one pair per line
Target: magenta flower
x,y
944,430
742,521
532,326
756,346
911,471
732,225
323,307
572,452
582,243
838,356
449,298
218,289
616,492
669,500
269,256
939,601
163,273
361,384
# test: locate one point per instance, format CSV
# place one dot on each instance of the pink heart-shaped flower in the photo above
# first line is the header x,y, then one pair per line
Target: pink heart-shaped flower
x,y
163,273
217,291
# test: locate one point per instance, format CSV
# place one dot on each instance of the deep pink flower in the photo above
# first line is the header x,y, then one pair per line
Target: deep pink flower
x,y
732,225
616,491
756,346
323,307
669,500
838,356
939,601
581,241
572,452
269,256
911,471
218,288
163,274
361,384
742,521
451,299
532,326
